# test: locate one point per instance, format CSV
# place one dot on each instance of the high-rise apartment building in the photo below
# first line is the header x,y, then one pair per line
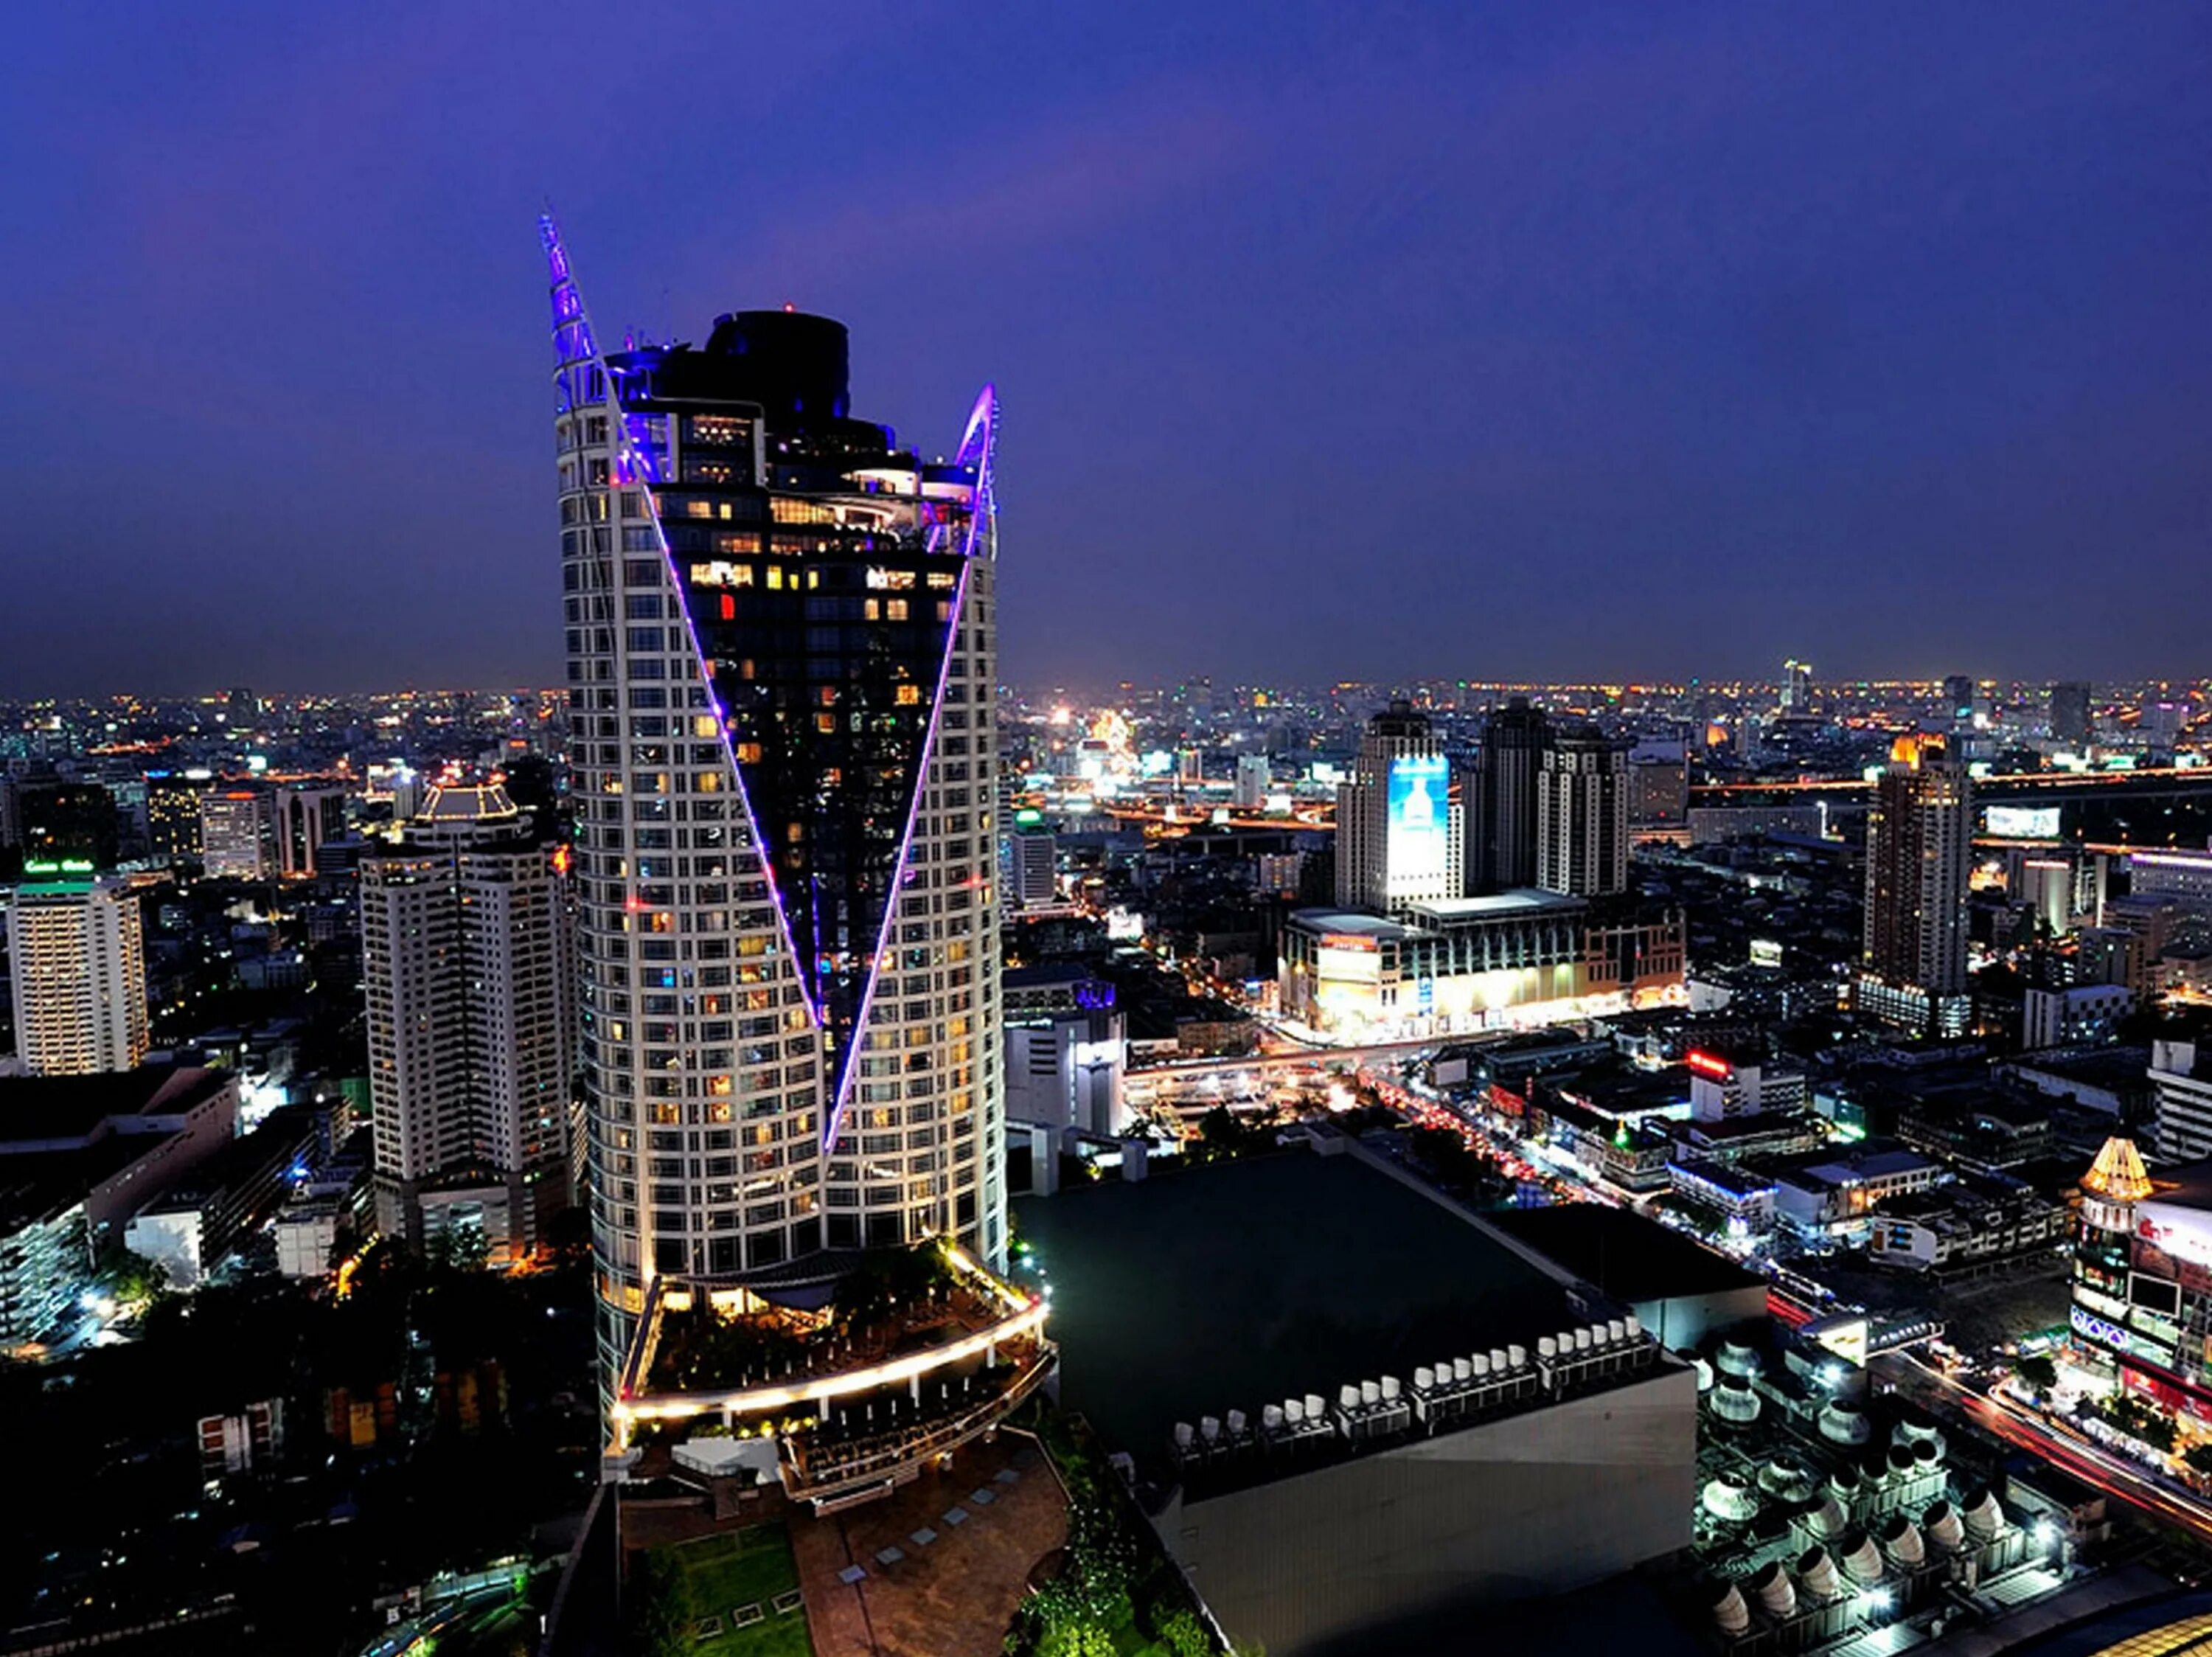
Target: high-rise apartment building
x,y
781,653
1582,814
468,963
1398,828
77,959
305,815
1912,970
238,834
68,822
2069,711
1958,698
1503,854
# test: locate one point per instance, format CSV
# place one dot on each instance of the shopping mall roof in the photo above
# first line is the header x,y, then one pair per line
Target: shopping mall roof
x,y
1240,1283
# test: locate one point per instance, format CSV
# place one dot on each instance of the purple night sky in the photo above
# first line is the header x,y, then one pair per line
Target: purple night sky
x,y
1358,340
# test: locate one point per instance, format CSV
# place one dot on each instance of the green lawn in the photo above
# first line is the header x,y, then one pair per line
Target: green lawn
x,y
743,1567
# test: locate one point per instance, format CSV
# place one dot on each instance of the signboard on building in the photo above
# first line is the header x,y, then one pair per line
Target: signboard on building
x,y
1417,832
2021,822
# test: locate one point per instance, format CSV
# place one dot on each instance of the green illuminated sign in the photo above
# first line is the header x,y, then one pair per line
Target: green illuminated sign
x,y
65,866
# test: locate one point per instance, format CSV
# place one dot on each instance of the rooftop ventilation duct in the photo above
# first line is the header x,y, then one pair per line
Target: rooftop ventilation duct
x,y
1777,1595
1734,1401
1860,1559
1730,1614
1900,1540
1816,1574
1729,1498
1842,1422
1983,1518
1943,1528
1736,1359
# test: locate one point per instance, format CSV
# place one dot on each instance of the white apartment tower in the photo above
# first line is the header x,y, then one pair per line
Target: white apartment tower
x,y
781,643
468,963
77,959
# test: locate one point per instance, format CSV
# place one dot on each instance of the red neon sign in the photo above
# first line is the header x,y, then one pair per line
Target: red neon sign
x,y
1710,1064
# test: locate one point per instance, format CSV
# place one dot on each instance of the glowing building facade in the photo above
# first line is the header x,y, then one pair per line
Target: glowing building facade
x,y
780,647
1919,854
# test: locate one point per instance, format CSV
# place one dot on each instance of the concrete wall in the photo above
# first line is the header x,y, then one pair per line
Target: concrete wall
x,y
1397,1545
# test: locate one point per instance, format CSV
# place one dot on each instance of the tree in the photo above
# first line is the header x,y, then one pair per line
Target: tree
x,y
661,1612
136,1278
1184,1635
2038,1371
2199,1456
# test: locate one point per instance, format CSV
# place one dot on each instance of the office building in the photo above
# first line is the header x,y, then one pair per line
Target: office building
x,y
467,963
1033,871
1067,1047
1796,686
2070,713
1658,783
76,958
1253,781
2046,892
1581,815
2078,1014
306,816
1912,968
68,822
1958,698
172,813
1397,828
238,835
2183,877
1502,851
782,650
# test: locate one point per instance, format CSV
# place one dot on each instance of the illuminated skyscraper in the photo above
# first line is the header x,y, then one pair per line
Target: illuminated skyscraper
x,y
781,662
77,957
1398,826
1919,853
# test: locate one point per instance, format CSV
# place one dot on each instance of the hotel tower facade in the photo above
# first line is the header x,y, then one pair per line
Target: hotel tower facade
x,y
783,744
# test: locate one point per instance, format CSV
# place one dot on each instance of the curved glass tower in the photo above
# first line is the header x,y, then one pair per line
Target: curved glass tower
x,y
781,662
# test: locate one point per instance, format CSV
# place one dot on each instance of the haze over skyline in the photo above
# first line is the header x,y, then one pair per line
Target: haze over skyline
x,y
1600,343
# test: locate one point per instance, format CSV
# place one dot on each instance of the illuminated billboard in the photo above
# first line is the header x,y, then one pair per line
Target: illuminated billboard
x,y
1418,837
2021,822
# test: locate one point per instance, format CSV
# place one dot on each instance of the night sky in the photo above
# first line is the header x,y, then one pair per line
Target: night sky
x,y
1477,341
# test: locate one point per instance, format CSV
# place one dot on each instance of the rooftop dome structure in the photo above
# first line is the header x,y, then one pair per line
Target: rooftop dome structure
x,y
2118,1175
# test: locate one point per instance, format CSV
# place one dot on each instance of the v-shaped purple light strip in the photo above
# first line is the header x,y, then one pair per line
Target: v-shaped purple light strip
x,y
979,439
573,319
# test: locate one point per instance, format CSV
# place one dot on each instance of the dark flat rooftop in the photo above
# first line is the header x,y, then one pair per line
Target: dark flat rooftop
x,y
1624,1255
1247,1282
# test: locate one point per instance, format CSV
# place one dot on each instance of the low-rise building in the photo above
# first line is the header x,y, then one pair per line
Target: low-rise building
x,y
1965,1227
1742,1199
1838,1197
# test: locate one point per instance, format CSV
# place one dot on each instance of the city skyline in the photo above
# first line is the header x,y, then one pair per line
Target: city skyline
x,y
1794,336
